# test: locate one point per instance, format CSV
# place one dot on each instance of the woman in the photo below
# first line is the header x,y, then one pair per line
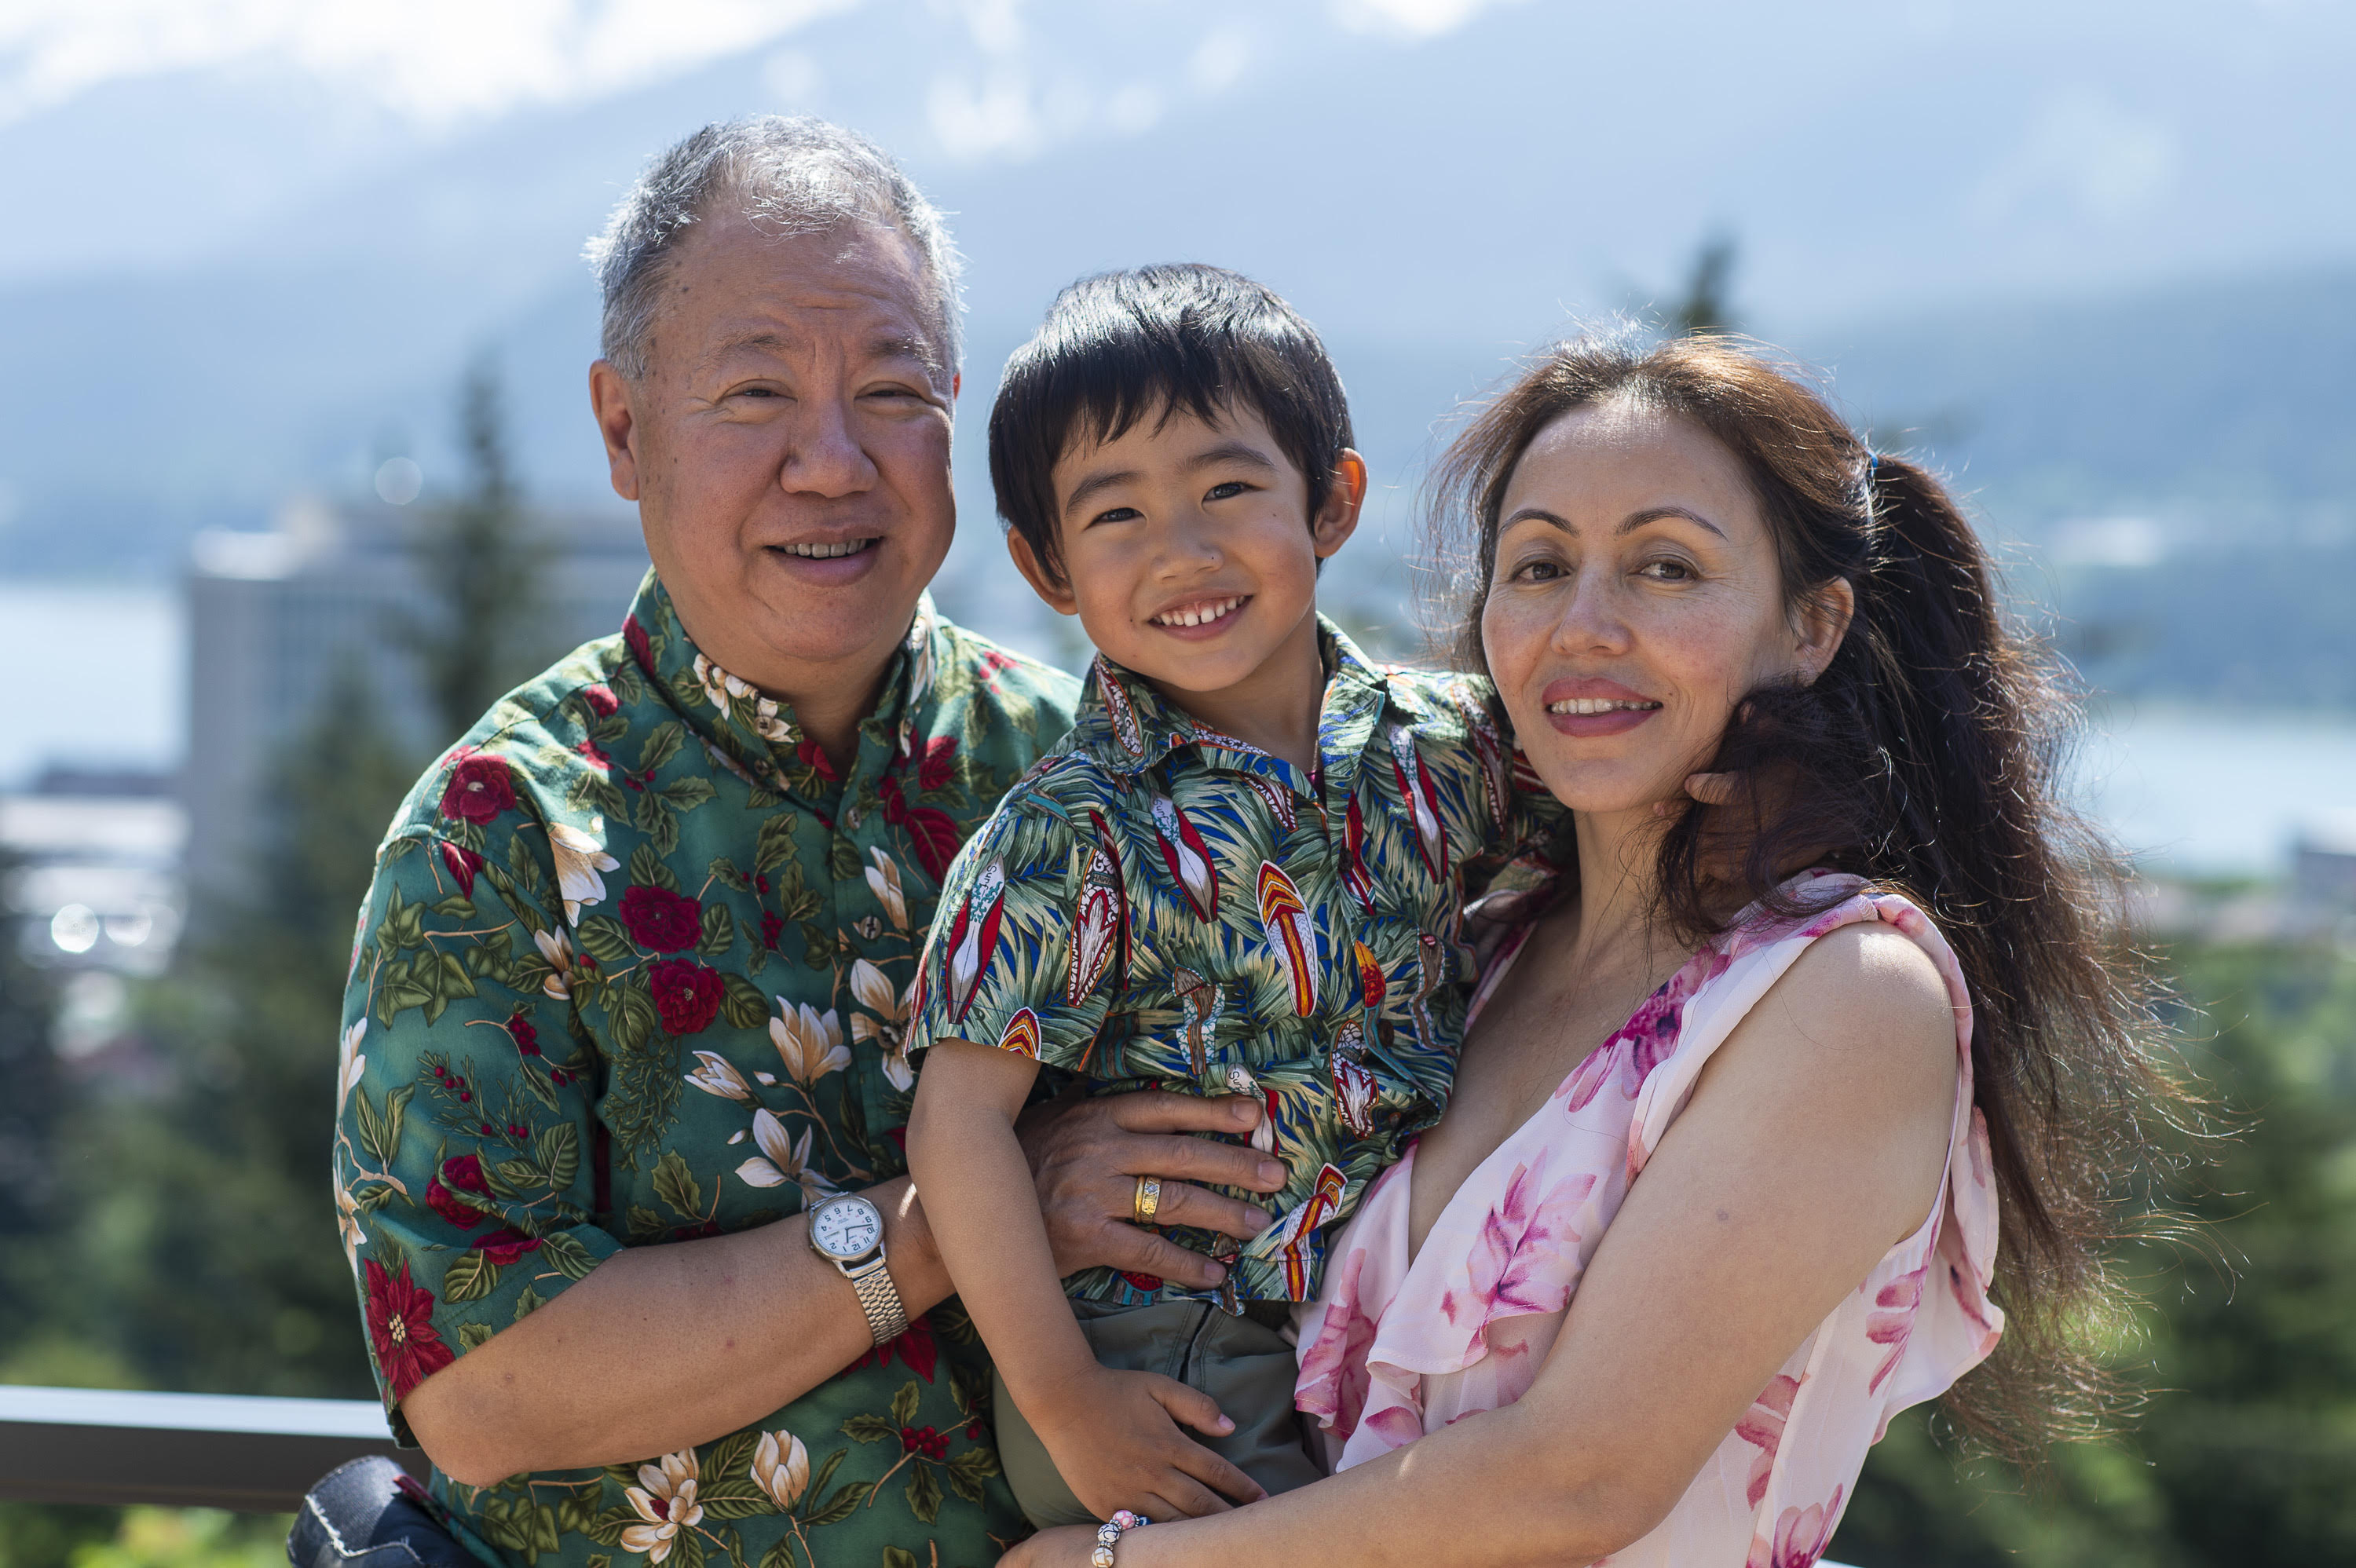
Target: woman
x,y
1653,1298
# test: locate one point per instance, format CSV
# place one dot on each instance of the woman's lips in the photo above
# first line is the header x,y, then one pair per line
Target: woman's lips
x,y
1592,706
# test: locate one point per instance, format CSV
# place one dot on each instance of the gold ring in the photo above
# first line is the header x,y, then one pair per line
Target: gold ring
x,y
1148,1202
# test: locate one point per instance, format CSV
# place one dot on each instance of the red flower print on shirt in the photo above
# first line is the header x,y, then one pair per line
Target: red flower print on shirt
x,y
916,1346
450,1206
933,767
663,921
504,1245
687,994
400,1327
600,699
479,786
463,863
641,650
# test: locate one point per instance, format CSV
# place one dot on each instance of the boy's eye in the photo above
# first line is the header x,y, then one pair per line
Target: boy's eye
x,y
1225,490
1117,515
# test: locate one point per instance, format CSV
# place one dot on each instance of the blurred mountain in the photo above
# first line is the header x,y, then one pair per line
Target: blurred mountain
x,y
242,281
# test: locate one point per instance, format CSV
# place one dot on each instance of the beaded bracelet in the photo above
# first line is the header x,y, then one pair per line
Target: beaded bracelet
x,y
1109,1532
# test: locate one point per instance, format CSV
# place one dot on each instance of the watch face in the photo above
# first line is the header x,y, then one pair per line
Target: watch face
x,y
846,1228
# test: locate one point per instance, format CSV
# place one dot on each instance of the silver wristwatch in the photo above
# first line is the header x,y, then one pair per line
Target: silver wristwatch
x,y
848,1231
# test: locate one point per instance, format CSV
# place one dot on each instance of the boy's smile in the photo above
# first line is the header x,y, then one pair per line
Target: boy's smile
x,y
1190,557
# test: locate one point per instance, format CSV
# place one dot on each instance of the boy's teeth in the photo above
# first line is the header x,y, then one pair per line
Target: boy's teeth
x,y
1598,705
1196,615
826,551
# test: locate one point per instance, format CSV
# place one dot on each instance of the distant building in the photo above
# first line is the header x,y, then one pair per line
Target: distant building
x,y
95,870
2323,861
271,616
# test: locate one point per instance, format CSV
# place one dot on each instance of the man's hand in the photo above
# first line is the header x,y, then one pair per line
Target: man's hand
x,y
1086,1155
1120,1447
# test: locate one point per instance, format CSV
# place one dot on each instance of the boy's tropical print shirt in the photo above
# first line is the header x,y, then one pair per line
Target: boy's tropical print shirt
x,y
634,969
1159,903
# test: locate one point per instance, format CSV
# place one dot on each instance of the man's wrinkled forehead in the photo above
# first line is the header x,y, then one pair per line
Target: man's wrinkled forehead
x,y
859,289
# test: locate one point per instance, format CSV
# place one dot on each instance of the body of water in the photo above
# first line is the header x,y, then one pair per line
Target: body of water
x,y
2204,791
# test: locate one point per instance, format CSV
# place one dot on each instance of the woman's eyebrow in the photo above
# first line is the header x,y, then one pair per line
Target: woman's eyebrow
x,y
1635,520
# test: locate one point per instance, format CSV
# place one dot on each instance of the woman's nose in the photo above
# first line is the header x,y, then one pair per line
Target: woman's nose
x,y
824,457
1593,619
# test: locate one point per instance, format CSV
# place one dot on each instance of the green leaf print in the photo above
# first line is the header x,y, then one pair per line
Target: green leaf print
x,y
662,745
923,1493
740,1002
471,1278
719,934
648,869
655,818
676,1185
560,1153
774,847
905,1403
602,938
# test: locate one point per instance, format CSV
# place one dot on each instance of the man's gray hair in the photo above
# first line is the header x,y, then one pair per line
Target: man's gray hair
x,y
790,175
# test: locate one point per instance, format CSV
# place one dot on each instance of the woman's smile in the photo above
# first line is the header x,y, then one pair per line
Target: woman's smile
x,y
1592,706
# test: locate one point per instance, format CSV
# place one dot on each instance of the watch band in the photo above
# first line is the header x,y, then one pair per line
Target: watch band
x,y
887,1317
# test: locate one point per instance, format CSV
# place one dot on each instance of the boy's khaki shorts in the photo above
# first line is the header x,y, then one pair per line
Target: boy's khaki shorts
x,y
1244,1363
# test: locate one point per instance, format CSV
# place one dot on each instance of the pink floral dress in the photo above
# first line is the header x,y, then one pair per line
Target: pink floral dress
x,y
1397,1347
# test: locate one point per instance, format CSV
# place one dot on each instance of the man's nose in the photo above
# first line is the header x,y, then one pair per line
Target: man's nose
x,y
825,457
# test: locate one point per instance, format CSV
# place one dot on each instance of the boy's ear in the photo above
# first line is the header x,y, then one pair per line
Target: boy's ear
x,y
1055,590
1345,497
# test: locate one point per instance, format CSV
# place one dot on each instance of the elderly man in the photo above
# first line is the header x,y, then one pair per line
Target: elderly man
x,y
618,1146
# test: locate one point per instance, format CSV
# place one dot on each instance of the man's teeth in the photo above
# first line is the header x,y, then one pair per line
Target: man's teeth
x,y
826,551
1196,615
1584,704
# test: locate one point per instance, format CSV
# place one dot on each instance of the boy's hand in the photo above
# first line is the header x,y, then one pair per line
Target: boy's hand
x,y
1120,1448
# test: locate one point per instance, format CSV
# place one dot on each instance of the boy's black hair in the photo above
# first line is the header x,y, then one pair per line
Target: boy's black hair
x,y
1146,343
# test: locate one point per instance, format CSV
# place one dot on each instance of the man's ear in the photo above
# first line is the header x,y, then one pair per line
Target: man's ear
x,y
1053,588
1825,618
609,398
1345,497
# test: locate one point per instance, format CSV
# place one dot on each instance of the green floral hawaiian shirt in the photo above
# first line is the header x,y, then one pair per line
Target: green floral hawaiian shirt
x,y
634,969
1157,903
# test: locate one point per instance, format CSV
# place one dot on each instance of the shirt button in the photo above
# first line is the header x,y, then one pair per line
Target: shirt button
x,y
851,819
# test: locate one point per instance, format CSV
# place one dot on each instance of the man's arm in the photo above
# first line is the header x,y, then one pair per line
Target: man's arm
x,y
692,1340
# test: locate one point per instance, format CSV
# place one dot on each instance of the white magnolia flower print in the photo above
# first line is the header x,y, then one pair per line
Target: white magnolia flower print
x,y
810,1041
786,1161
884,881
888,1029
774,727
781,1467
713,1075
665,1500
350,1062
718,685
557,948
348,1226
580,856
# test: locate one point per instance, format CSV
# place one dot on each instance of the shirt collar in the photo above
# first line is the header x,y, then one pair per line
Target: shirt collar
x,y
756,733
1128,727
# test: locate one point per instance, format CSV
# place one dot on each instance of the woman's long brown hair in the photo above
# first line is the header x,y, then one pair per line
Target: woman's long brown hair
x,y
1927,759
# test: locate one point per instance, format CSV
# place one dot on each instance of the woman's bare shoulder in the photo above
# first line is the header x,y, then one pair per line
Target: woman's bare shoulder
x,y
1864,1002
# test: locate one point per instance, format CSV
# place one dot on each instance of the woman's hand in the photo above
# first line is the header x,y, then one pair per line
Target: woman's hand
x,y
1116,1441
1068,1547
1086,1155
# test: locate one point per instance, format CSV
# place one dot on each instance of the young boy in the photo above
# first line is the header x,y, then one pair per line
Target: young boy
x,y
1240,873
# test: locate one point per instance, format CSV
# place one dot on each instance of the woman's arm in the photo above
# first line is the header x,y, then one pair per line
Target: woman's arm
x,y
1112,1435
1814,1141
691,1341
